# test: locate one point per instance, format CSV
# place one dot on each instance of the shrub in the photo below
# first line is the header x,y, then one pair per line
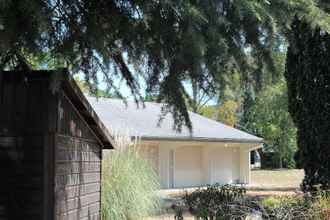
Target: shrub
x,y
213,201
229,203
129,184
323,203
295,207
271,202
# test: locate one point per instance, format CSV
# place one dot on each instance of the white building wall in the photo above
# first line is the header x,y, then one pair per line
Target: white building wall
x,y
197,164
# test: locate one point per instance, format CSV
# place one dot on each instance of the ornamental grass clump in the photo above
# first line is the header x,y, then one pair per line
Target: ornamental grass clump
x,y
129,184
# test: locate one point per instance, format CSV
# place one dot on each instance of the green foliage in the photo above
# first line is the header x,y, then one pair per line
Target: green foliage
x,y
232,87
86,88
209,112
233,205
211,202
227,113
129,186
269,118
271,202
164,41
298,207
323,199
308,80
247,104
262,111
291,207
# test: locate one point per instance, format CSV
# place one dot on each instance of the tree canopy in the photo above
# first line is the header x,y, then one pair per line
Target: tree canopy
x,y
261,111
270,119
308,79
165,42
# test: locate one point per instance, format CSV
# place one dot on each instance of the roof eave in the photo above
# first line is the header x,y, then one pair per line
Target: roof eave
x,y
200,139
93,120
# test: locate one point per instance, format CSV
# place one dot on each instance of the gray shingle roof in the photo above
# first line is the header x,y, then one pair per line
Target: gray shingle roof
x,y
130,120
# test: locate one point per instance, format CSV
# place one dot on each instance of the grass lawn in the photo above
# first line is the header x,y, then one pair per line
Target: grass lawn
x,y
277,178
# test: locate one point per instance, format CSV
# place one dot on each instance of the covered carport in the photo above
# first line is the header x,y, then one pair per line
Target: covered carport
x,y
193,164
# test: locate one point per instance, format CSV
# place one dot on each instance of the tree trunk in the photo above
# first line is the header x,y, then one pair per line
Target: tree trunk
x,y
280,162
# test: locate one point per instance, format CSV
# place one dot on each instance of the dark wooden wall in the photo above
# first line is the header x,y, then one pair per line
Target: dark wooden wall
x,y
50,159
77,167
25,115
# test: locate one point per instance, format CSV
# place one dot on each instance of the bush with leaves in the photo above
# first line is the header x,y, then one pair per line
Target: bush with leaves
x,y
129,185
213,200
289,208
314,206
230,203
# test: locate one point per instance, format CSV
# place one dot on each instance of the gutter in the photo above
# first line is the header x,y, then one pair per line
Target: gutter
x,y
199,139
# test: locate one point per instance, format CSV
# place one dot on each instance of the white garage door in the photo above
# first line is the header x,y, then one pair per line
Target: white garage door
x,y
222,166
188,166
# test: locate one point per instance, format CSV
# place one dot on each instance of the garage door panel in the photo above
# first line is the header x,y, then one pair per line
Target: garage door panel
x,y
222,166
188,166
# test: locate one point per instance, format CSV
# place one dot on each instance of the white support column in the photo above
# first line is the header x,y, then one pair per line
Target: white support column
x,y
171,168
248,167
164,165
245,171
207,165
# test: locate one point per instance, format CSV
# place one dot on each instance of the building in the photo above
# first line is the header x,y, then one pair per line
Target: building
x,y
213,153
51,143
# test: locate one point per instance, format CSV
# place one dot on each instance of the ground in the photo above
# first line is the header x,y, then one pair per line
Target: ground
x,y
277,179
264,183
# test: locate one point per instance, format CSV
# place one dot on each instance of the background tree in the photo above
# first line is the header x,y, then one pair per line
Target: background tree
x,y
308,80
199,98
97,92
165,41
168,42
270,119
261,108
227,113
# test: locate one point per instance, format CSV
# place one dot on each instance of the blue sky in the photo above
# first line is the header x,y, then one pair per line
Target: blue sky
x,y
126,92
